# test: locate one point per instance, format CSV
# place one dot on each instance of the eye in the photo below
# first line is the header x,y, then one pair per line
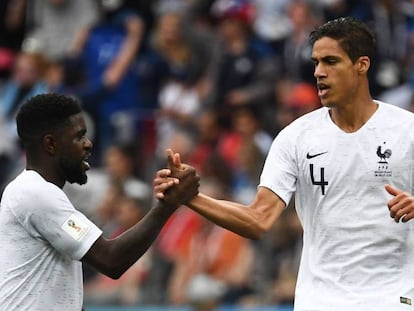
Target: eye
x,y
81,136
331,61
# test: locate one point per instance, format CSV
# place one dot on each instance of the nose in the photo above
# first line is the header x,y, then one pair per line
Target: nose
x,y
319,71
88,144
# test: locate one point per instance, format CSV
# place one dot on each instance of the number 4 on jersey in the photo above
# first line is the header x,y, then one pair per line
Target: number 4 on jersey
x,y
322,182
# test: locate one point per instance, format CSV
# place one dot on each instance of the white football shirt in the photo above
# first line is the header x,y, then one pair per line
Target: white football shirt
x,y
42,239
355,257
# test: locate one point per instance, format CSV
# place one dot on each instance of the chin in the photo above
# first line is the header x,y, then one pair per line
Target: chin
x,y
83,181
80,179
73,172
327,103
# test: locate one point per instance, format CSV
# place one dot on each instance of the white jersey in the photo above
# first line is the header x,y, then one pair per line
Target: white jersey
x,y
355,257
42,239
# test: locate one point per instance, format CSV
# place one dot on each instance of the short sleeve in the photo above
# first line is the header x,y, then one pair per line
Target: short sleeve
x,y
50,216
280,169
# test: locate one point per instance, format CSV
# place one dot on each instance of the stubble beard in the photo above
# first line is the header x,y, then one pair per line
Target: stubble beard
x,y
73,172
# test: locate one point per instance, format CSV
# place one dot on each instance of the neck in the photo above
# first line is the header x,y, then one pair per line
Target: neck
x,y
352,117
48,172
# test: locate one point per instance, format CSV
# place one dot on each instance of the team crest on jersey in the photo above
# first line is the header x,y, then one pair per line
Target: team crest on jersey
x,y
383,153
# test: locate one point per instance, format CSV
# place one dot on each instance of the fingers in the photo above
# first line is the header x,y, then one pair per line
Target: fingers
x,y
185,190
163,173
177,160
170,158
162,182
391,190
174,160
161,187
402,207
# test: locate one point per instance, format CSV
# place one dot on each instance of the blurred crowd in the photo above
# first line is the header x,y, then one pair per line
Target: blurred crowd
x,y
214,80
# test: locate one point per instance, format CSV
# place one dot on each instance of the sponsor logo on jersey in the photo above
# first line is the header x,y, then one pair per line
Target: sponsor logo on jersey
x,y
310,156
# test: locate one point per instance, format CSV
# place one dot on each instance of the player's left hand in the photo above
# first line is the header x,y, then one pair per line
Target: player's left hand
x,y
401,206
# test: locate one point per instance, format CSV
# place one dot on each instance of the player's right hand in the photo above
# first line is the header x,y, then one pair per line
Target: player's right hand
x,y
178,184
401,206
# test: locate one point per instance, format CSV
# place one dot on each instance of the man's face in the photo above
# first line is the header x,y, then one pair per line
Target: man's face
x,y
336,75
75,149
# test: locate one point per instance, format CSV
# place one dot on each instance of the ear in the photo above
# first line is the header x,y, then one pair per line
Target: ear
x,y
49,144
363,63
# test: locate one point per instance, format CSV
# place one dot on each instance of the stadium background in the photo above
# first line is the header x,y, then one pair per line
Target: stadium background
x,y
213,79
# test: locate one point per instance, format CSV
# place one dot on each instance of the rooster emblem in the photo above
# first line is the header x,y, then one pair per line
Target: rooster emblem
x,y
383,155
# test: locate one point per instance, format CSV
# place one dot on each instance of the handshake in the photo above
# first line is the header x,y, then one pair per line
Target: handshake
x,y
178,183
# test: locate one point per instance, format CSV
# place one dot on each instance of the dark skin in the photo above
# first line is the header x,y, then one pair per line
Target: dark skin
x,y
61,156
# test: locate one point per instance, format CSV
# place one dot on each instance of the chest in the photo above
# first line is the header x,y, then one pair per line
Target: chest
x,y
355,163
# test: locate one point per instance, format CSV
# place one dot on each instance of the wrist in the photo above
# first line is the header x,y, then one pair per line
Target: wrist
x,y
163,209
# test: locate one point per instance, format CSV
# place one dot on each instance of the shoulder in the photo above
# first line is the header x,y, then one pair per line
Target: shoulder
x,y
394,116
308,122
29,189
394,109
298,133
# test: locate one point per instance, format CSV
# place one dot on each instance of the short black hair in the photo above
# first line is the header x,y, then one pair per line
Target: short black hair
x,y
43,114
353,36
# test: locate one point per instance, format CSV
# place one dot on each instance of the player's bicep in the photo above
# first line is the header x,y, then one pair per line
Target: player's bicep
x,y
97,256
268,206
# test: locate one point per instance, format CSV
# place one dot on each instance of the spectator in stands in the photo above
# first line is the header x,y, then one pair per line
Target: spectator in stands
x,y
246,128
103,290
293,101
170,75
213,255
53,24
108,51
278,259
208,136
296,52
119,170
272,23
26,81
390,26
7,154
12,30
244,150
247,68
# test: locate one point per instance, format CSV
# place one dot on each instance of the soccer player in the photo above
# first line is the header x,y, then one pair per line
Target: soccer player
x,y
43,238
350,165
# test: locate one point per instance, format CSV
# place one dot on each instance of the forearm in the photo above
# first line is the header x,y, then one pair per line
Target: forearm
x,y
129,48
235,217
123,251
78,42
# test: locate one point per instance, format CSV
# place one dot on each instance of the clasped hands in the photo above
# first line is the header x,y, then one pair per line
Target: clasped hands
x,y
178,183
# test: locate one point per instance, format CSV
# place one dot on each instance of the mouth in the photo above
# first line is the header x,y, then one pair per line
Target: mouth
x,y
322,89
85,163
